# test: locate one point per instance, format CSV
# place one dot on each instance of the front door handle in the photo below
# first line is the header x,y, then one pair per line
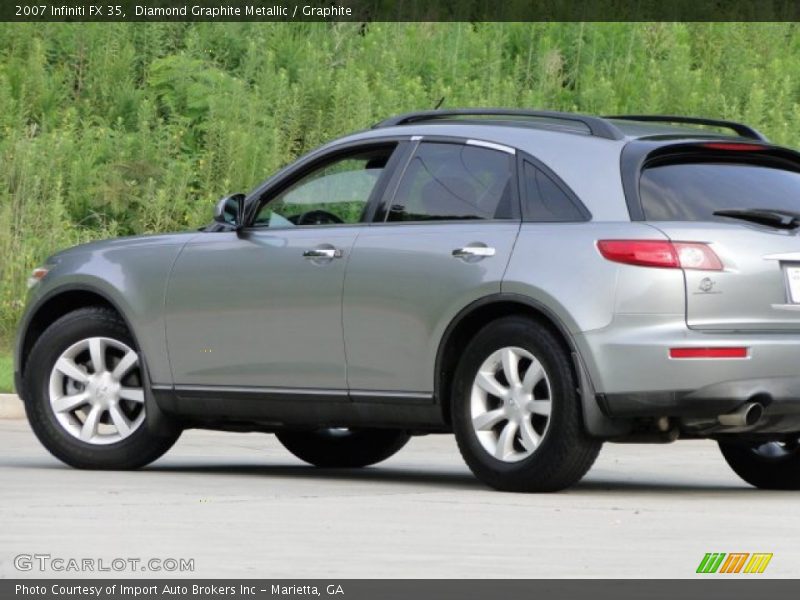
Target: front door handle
x,y
317,253
474,251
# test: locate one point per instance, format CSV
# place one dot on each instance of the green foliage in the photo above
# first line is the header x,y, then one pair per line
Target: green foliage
x,y
6,373
117,128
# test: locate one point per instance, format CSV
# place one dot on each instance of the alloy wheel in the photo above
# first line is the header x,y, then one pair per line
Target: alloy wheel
x,y
96,391
511,402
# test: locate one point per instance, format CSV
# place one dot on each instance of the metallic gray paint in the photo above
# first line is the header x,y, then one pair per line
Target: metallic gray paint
x,y
131,273
247,310
404,286
251,310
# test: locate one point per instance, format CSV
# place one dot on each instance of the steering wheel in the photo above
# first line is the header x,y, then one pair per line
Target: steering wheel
x,y
318,217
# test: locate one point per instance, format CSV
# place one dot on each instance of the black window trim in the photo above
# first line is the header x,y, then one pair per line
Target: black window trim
x,y
382,212
305,165
522,158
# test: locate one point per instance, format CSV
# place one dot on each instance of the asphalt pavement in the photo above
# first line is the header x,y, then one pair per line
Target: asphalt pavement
x,y
239,505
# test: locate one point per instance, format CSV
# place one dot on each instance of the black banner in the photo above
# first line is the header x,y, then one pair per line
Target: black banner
x,y
399,10
713,588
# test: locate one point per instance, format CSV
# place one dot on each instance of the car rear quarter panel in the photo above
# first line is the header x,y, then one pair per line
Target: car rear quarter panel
x,y
560,267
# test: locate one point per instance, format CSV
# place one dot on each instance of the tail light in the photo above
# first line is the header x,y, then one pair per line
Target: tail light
x,y
660,253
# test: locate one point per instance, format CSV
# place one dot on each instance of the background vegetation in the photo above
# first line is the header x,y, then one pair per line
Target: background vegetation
x,y
114,129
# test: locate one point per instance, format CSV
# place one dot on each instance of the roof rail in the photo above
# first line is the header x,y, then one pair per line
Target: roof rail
x,y
597,126
740,128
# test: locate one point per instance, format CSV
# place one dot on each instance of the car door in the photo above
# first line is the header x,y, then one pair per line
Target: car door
x,y
261,308
442,241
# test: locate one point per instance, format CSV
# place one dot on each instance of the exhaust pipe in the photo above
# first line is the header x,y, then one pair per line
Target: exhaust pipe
x,y
746,415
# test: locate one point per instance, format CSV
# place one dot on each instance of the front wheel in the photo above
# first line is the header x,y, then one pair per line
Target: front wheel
x,y
767,465
85,389
516,411
339,448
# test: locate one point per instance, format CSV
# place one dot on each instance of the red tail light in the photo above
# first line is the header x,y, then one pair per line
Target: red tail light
x,y
644,253
663,254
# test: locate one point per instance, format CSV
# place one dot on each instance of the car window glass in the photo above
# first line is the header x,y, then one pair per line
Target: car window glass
x,y
337,192
545,201
454,181
694,191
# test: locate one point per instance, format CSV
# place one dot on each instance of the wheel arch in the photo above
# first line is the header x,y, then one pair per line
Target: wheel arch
x,y
480,312
54,305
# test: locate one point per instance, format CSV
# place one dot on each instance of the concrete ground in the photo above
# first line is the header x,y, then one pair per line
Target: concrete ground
x,y
11,407
241,506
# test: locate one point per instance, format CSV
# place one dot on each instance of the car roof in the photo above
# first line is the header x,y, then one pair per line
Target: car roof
x,y
610,127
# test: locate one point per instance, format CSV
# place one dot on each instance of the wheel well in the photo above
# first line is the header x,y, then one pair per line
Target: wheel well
x,y
52,310
465,328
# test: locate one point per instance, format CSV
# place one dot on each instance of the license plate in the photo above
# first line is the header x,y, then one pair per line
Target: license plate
x,y
793,281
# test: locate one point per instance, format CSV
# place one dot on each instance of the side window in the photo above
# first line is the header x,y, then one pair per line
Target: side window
x,y
545,201
336,192
455,181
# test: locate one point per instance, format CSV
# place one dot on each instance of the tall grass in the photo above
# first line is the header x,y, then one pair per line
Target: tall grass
x,y
112,129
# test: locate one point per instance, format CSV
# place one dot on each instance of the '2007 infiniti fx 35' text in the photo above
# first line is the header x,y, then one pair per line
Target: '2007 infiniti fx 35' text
x,y
535,282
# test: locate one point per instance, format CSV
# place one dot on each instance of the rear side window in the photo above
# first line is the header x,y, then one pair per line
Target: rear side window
x,y
545,200
693,191
454,182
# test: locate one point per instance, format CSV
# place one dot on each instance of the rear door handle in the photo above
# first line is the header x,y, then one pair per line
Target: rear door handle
x,y
328,253
474,251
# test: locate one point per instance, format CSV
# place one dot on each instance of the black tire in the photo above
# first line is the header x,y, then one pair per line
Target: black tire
x,y
566,451
343,448
770,467
140,448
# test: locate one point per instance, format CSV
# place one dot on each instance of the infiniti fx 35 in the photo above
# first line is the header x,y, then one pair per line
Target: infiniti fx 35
x,y
534,282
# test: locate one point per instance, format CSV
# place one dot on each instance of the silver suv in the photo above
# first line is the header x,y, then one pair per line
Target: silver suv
x,y
535,282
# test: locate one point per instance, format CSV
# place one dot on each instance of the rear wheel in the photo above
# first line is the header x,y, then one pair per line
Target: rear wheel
x,y
343,447
85,394
768,465
516,411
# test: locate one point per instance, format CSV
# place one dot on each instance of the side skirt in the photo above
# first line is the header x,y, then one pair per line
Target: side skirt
x,y
271,409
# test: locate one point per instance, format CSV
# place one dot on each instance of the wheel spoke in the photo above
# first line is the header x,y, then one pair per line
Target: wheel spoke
x,y
89,429
540,407
120,420
511,366
97,350
505,443
135,394
488,419
68,367
533,375
489,384
124,365
530,439
68,403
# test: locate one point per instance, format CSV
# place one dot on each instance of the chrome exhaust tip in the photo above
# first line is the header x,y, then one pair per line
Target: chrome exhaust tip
x,y
746,415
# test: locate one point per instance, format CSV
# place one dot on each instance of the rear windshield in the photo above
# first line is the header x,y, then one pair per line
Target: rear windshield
x,y
693,191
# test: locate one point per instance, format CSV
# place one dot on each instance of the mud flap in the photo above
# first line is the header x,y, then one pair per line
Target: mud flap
x,y
597,423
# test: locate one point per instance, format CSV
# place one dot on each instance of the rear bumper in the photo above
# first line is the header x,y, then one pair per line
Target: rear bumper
x,y
632,355
634,375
